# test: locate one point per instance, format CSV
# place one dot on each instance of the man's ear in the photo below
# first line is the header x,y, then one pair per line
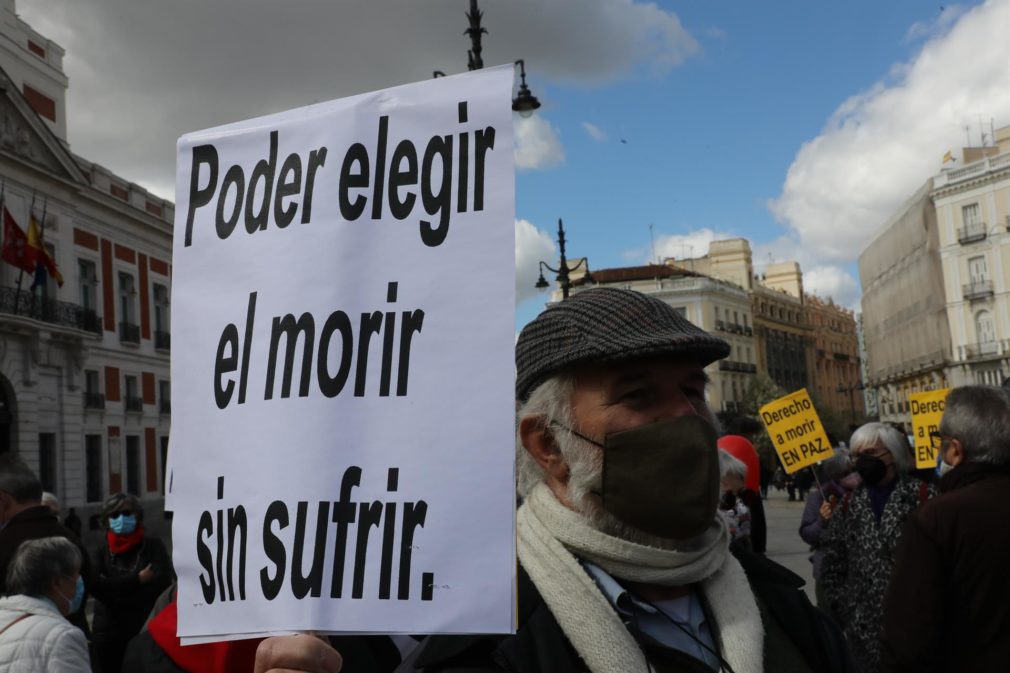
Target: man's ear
x,y
539,441
955,454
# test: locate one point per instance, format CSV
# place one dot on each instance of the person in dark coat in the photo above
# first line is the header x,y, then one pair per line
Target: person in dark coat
x,y
637,577
947,607
24,517
130,571
863,532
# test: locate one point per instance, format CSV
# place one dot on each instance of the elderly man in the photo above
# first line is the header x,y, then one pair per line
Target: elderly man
x,y
946,607
624,564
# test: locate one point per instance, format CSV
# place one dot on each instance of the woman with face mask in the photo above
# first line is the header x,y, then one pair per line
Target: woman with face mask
x,y
44,581
862,531
131,570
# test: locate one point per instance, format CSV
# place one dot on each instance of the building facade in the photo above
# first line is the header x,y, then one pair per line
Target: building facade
x,y
84,367
837,372
936,284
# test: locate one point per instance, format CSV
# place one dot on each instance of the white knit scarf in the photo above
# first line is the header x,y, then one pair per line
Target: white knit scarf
x,y
551,539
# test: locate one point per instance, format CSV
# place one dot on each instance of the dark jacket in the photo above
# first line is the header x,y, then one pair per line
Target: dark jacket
x,y
124,603
948,605
798,637
758,523
32,524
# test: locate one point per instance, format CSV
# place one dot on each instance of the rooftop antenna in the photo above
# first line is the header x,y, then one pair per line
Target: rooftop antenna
x,y
652,239
967,135
981,132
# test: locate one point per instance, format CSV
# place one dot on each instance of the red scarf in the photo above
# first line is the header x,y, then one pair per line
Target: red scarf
x,y
121,543
236,655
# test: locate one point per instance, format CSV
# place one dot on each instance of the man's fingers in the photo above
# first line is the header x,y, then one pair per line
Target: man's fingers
x,y
296,654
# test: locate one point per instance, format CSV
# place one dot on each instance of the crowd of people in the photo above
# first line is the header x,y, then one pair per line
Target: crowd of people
x,y
641,539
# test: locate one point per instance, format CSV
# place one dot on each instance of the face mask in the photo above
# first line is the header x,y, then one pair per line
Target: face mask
x,y
75,602
662,478
942,466
124,524
728,500
871,469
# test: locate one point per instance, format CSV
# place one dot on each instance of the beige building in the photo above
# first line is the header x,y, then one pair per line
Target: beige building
x,y
936,284
714,305
973,219
836,375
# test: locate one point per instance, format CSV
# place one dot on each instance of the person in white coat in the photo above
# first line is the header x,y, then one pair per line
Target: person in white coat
x,y
44,581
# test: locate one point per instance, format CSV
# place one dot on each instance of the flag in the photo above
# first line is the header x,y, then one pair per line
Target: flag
x,y
16,250
42,255
948,157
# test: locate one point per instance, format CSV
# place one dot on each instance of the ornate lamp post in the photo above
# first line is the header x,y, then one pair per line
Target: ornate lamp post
x,y
525,103
563,270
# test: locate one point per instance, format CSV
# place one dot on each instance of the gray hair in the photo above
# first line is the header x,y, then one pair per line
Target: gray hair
x,y
979,416
37,563
551,401
730,466
896,443
19,481
837,466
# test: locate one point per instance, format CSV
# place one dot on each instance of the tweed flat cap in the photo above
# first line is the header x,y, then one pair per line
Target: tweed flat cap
x,y
606,325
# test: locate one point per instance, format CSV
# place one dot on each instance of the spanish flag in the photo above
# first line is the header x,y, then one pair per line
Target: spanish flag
x,y
948,157
43,257
16,250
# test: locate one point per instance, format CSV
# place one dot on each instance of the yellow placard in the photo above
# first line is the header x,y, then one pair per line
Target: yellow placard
x,y
926,408
796,431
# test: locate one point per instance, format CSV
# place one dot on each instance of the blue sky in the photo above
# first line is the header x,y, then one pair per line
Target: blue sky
x,y
800,125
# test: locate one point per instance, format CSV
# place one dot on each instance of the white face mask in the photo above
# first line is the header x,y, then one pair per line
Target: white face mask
x,y
943,468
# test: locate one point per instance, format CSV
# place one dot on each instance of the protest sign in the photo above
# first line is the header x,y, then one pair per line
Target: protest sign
x,y
796,431
926,408
342,366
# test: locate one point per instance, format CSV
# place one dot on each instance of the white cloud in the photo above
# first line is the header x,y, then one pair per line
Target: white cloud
x,y
537,144
532,246
594,132
144,73
880,145
833,282
682,246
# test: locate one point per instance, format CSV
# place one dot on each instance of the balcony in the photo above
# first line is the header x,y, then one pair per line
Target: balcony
x,y
162,340
165,407
133,403
129,333
748,331
720,325
982,351
94,401
971,233
733,366
977,289
62,313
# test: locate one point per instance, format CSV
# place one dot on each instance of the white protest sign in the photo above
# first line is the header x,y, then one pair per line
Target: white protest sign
x,y
342,366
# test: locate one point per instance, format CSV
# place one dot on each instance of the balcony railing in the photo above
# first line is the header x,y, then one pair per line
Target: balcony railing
x,y
129,333
162,340
733,366
975,231
977,289
94,401
165,407
133,403
62,313
985,349
720,325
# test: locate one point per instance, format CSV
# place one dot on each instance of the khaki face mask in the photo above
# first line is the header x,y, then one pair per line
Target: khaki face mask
x,y
662,478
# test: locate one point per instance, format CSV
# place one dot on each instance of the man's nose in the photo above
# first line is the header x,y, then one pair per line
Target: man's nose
x,y
679,404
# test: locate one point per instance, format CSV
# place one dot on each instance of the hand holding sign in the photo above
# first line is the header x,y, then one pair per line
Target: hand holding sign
x,y
796,431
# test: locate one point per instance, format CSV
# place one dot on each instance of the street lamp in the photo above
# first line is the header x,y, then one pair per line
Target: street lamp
x,y
525,103
563,269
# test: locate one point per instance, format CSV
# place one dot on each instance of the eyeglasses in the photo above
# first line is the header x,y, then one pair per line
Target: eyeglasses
x,y
936,439
123,512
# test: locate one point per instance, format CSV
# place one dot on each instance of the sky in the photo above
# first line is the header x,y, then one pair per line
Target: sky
x,y
800,126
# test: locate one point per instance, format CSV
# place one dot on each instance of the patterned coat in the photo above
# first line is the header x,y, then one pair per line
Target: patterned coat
x,y
858,557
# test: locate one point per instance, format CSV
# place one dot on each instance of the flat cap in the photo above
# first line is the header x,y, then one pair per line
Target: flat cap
x,y
606,325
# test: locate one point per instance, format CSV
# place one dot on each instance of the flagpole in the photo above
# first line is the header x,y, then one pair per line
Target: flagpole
x,y
21,271
41,254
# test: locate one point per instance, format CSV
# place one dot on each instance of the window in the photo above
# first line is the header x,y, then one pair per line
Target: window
x,y
977,269
131,397
93,467
93,398
164,464
984,327
87,281
971,215
165,397
133,464
681,311
47,461
736,318
129,331
161,317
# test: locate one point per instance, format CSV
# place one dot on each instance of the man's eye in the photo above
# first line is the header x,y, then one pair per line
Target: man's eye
x,y
636,395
